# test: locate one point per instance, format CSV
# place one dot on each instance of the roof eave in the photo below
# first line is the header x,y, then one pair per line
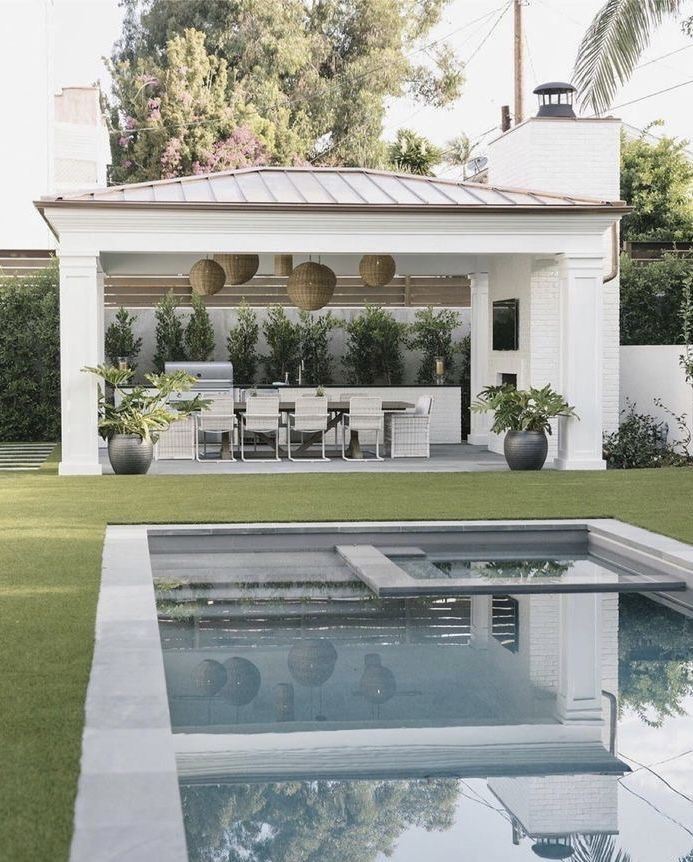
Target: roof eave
x,y
613,208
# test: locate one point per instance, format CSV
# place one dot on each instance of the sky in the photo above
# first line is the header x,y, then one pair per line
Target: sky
x,y
86,29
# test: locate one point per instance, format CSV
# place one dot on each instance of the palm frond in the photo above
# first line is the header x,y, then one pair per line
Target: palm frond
x,y
613,44
598,848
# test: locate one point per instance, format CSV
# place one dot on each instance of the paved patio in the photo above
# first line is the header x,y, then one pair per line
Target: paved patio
x,y
445,458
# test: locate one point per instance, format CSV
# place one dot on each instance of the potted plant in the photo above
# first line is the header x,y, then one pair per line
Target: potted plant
x,y
525,414
134,417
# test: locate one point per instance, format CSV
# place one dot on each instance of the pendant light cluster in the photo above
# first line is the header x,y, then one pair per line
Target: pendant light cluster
x,y
310,285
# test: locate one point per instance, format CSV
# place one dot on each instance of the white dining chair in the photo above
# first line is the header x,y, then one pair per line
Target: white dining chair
x,y
219,419
365,414
407,435
310,416
261,417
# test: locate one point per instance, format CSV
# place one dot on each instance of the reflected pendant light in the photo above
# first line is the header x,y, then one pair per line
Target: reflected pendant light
x,y
239,268
377,682
377,270
243,681
209,677
207,277
311,285
283,264
311,661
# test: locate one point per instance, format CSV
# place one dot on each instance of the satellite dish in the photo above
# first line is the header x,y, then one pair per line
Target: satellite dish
x,y
475,166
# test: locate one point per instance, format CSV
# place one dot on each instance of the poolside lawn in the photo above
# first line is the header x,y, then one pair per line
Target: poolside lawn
x,y
51,533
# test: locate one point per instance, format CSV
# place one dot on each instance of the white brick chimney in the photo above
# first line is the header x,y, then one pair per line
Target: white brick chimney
x,y
560,153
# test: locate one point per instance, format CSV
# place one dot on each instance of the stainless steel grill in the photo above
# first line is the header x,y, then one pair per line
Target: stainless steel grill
x,y
216,376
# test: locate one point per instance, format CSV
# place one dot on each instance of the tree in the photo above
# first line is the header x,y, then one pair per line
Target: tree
x,y
654,659
170,346
175,116
374,348
242,345
652,296
431,333
414,154
283,340
314,334
30,356
312,821
613,44
199,333
657,180
120,340
309,80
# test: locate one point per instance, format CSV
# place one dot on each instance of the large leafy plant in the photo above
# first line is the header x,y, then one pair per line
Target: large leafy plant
x,y
284,343
170,336
141,410
314,334
522,409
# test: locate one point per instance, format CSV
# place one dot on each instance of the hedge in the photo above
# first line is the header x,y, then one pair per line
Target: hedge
x,y
30,356
651,299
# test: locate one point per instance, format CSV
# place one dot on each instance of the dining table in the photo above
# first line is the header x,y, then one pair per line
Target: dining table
x,y
336,411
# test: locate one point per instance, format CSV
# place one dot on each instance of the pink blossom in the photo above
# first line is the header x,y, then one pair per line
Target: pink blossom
x,y
241,149
130,122
170,158
124,141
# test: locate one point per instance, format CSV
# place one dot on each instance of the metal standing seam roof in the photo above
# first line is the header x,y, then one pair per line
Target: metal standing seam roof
x,y
326,188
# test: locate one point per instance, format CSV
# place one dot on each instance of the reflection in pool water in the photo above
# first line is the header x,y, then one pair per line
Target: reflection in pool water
x,y
477,728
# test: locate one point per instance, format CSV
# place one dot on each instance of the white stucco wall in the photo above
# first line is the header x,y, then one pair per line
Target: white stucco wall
x,y
652,371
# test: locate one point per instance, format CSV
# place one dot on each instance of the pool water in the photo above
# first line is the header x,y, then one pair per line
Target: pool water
x,y
327,725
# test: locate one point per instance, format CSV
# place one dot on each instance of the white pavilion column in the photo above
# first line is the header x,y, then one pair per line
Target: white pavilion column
x,y
479,422
580,654
581,352
81,343
481,621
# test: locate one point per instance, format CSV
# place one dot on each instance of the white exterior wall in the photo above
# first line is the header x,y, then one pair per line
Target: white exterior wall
x,y
560,155
652,371
560,804
574,157
80,140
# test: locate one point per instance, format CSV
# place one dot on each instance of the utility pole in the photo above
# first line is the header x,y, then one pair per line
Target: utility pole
x,y
519,65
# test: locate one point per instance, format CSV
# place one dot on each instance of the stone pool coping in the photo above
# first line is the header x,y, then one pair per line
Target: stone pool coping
x,y
128,805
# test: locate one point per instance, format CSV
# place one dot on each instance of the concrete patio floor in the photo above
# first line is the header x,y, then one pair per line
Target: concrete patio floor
x,y
445,458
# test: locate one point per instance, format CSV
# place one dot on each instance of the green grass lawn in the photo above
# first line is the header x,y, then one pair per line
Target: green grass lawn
x,y
51,532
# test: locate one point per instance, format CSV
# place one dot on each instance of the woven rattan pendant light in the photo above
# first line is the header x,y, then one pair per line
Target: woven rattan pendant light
x,y
311,285
377,270
239,268
207,277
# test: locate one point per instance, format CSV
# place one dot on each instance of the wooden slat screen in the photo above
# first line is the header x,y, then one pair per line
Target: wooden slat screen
x,y
146,291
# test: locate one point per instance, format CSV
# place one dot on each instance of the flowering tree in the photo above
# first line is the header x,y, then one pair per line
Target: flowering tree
x,y
175,118
279,81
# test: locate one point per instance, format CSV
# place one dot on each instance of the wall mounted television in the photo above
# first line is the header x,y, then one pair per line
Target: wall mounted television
x,y
506,324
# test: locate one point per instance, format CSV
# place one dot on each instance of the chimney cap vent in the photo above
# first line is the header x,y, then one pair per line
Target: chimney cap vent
x,y
556,99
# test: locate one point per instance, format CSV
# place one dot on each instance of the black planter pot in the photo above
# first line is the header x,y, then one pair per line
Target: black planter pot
x,y
525,450
129,454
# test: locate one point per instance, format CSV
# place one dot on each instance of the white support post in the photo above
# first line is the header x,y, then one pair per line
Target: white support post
x,y
81,343
479,422
580,673
581,356
481,611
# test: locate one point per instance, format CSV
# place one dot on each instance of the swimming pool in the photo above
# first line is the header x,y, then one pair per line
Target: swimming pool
x,y
367,692
317,721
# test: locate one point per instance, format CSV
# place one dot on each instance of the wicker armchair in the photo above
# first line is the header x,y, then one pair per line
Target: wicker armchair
x,y
365,414
407,435
218,419
261,416
310,416
177,443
